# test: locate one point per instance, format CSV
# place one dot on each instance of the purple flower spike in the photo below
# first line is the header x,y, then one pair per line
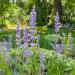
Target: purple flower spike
x,y
4,45
62,46
5,51
70,42
42,59
57,23
33,19
32,44
38,40
18,40
24,53
59,47
25,38
33,36
32,27
9,42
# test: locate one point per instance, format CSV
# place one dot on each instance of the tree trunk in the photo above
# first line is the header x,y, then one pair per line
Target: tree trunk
x,y
58,7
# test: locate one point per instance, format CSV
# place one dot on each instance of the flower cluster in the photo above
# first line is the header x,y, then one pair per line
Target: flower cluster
x,y
38,40
9,42
32,27
57,23
25,38
42,58
58,43
18,40
70,42
34,37
5,51
26,52
59,47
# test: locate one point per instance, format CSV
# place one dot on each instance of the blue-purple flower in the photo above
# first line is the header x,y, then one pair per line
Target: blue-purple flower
x,y
26,51
15,60
38,40
32,21
33,37
42,59
18,39
59,47
32,27
57,23
70,42
25,38
5,51
9,44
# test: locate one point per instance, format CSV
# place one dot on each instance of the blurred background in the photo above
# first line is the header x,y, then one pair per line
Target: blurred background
x,y
46,10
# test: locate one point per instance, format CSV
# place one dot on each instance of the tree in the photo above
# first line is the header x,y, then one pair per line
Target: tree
x,y
58,7
41,11
3,8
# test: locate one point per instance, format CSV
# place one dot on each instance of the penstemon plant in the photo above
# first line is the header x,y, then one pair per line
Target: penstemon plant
x,y
57,23
5,51
69,44
18,38
9,43
34,41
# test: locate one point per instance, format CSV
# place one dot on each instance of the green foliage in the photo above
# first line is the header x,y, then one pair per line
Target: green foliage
x,y
3,8
68,11
55,63
72,68
42,9
4,69
48,39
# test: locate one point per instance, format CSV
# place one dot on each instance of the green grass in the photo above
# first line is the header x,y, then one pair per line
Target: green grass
x,y
43,31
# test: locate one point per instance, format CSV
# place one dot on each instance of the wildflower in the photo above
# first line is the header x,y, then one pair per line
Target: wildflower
x,y
18,40
32,27
5,51
57,44
57,23
34,37
42,58
38,40
9,42
59,47
62,46
70,42
32,21
25,38
15,60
